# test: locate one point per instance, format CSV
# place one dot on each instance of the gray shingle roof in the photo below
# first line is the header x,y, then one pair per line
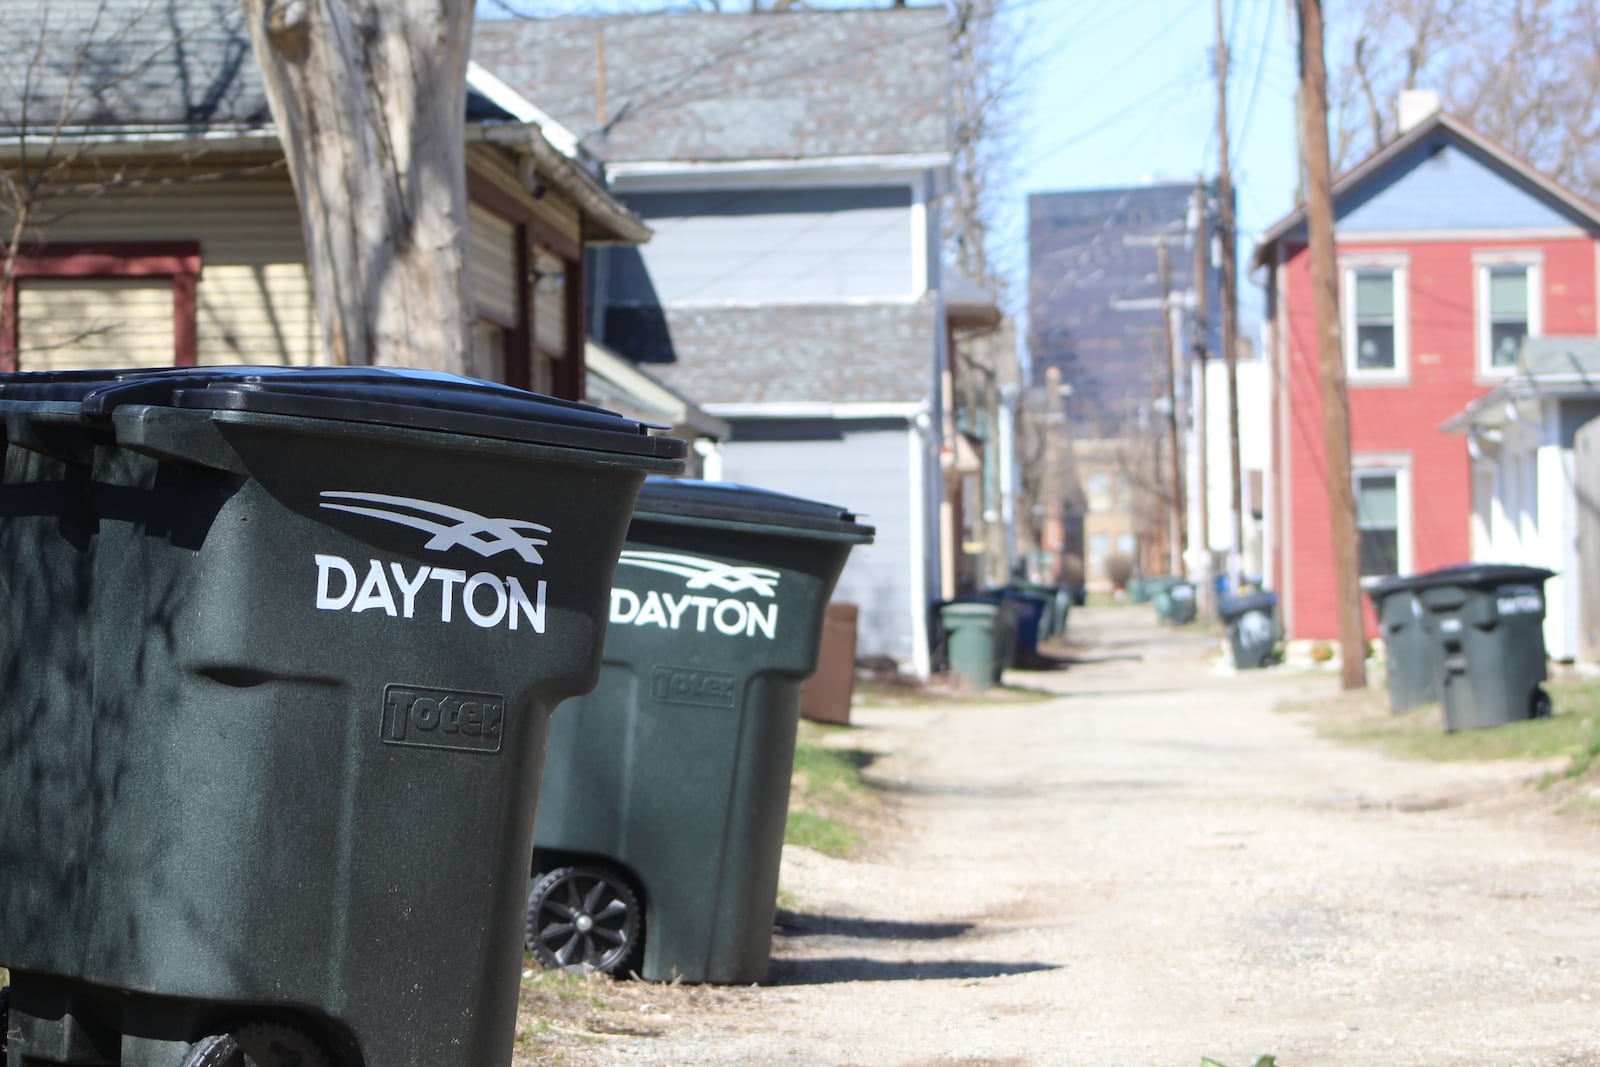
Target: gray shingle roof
x,y
707,86
167,65
833,353
115,63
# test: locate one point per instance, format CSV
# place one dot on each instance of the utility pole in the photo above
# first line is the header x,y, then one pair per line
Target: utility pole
x,y
1170,358
1230,298
1164,389
1330,352
1202,337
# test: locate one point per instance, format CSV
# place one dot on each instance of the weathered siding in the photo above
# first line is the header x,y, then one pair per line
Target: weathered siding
x,y
492,265
805,459
779,245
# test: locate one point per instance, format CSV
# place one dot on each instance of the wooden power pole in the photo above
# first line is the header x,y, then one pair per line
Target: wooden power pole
x,y
1202,436
1330,352
1230,298
1170,358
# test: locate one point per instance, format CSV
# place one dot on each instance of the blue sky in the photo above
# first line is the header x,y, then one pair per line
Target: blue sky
x,y
1119,92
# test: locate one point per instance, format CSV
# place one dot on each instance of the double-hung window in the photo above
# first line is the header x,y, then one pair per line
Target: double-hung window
x,y
1508,307
1383,515
1375,318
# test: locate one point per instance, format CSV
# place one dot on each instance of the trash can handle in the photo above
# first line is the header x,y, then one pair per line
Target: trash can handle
x,y
176,440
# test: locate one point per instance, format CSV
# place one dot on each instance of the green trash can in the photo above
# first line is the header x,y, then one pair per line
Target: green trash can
x,y
666,790
279,651
1412,650
1252,629
972,634
1138,592
1490,620
1181,605
1159,589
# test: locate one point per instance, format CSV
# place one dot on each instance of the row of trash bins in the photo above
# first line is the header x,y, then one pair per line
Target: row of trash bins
x,y
283,652
984,635
1468,637
1251,618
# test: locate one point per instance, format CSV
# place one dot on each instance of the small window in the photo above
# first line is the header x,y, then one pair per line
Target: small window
x,y
1378,522
1375,318
1099,491
1508,308
1374,313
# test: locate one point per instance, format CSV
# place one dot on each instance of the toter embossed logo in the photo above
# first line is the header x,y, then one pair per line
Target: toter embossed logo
x,y
442,718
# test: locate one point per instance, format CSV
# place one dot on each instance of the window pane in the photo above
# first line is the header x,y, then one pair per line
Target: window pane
x,y
1375,295
1375,347
1380,552
1505,343
1508,293
1377,501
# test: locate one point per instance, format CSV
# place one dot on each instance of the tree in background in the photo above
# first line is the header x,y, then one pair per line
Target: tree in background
x,y
1525,73
369,98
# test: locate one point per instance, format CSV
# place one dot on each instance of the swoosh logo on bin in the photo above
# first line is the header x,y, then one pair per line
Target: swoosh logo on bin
x,y
701,573
451,527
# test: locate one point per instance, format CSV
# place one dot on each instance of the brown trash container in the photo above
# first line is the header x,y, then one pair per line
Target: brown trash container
x,y
825,696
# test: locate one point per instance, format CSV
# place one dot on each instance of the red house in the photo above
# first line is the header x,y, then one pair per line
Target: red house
x,y
1450,251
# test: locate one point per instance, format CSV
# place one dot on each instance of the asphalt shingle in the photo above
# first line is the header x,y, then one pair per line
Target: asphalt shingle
x,y
832,353
697,86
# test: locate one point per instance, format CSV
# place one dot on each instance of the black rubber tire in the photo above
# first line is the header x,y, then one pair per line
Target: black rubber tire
x,y
259,1044
1539,705
585,916
5,1021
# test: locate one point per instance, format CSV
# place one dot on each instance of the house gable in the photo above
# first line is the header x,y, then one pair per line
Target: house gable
x,y
1441,184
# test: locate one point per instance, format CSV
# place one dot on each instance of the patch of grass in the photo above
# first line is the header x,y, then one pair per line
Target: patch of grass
x,y
827,835
827,797
942,689
1363,717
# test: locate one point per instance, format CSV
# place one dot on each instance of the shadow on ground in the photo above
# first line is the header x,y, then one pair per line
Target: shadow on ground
x,y
857,969
795,924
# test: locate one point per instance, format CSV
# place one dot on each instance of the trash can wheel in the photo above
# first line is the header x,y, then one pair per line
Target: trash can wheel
x,y
584,916
262,1044
1539,704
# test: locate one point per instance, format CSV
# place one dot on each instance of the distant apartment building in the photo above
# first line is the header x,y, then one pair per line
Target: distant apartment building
x,y
1095,315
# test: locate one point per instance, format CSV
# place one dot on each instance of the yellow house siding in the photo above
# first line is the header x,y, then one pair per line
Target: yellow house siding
x,y
552,208
492,265
253,300
94,323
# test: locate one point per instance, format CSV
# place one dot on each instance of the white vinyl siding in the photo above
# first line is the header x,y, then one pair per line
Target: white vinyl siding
x,y
492,263
780,245
94,323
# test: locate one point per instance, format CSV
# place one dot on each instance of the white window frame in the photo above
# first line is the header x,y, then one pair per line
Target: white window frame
x,y
1398,464
1399,264
1482,264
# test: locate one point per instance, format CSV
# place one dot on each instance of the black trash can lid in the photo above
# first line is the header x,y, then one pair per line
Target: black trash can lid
x,y
386,396
1472,574
1238,606
685,499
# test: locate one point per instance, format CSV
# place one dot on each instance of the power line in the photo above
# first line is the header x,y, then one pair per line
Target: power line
x,y
1262,54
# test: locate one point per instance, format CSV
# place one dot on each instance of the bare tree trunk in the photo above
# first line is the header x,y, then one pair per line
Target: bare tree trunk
x,y
369,97
1335,413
